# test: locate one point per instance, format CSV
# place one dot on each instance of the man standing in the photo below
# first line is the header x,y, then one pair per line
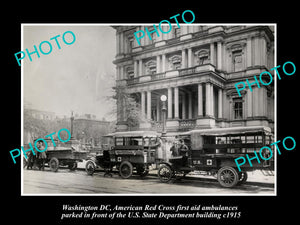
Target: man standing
x,y
41,156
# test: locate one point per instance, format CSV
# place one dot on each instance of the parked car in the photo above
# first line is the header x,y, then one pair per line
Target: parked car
x,y
212,152
128,152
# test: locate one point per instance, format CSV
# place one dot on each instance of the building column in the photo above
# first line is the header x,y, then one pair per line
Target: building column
x,y
140,67
135,68
124,109
176,103
118,43
183,108
118,73
249,50
212,100
249,104
256,51
143,103
158,64
208,99
121,43
125,42
143,39
200,100
149,105
119,109
212,53
190,57
262,102
219,53
255,101
122,74
170,113
220,103
263,51
163,63
183,58
190,113
157,109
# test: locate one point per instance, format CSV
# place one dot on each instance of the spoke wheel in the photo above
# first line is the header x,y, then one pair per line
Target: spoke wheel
x,y
227,176
54,164
126,169
90,167
165,173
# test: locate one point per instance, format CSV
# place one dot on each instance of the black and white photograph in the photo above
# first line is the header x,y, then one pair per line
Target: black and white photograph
x,y
158,114
144,113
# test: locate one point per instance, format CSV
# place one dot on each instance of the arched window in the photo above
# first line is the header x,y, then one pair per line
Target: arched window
x,y
130,72
175,62
150,67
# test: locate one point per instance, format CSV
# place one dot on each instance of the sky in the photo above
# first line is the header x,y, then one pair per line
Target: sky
x,y
78,77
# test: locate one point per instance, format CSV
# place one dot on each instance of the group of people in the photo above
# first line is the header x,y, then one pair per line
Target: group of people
x,y
38,160
179,148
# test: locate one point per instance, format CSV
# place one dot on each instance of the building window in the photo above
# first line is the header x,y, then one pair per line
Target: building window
x,y
150,67
203,60
130,72
175,62
202,56
238,108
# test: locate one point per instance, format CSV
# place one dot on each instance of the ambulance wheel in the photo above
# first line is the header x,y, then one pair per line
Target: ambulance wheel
x,y
54,164
227,176
126,169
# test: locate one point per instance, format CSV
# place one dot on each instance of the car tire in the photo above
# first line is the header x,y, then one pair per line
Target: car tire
x,y
227,176
126,169
90,167
54,164
165,173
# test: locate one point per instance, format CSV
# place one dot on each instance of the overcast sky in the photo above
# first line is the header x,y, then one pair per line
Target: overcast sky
x,y
77,77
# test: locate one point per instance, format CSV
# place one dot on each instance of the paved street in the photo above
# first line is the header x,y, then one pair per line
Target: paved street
x,y
78,182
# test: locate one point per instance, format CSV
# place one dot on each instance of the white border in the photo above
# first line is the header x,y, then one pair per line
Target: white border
x,y
134,24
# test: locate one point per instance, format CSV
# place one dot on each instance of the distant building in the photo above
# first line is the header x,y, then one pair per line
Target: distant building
x,y
90,130
41,114
196,67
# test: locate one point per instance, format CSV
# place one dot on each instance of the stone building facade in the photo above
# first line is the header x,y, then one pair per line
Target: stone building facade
x,y
196,67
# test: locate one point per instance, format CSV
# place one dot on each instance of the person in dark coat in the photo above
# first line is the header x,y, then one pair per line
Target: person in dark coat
x,y
183,151
174,149
30,160
41,156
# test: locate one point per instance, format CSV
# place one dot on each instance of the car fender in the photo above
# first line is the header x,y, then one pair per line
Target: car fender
x,y
91,161
167,163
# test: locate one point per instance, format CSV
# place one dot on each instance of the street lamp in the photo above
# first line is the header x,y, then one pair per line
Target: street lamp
x,y
164,98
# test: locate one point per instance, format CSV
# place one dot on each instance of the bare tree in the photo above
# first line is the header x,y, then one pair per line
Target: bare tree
x,y
129,103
